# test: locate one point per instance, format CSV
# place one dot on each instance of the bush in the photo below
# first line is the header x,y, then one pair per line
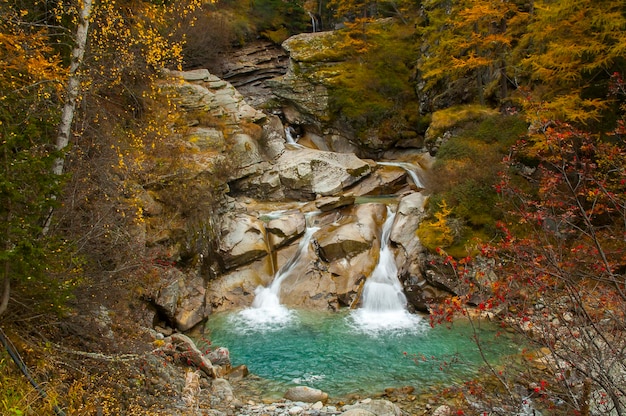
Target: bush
x,y
468,164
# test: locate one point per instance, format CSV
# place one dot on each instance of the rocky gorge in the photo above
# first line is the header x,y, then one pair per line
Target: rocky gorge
x,y
290,167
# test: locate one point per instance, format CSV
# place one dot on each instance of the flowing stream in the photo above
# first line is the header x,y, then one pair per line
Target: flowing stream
x,y
410,169
266,310
384,303
289,139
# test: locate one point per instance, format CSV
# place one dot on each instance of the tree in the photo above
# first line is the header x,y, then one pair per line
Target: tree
x,y
568,52
565,266
30,83
471,38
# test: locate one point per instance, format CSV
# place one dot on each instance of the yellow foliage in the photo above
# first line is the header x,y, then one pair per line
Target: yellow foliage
x,y
436,233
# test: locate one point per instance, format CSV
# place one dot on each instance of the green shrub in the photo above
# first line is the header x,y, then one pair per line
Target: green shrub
x,y
467,168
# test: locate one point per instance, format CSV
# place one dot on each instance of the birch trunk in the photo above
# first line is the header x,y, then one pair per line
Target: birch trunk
x,y
73,85
72,91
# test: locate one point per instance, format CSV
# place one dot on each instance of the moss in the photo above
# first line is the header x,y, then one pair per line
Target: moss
x,y
466,171
443,120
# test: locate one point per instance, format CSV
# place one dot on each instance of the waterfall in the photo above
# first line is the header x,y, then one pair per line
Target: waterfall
x,y
266,310
289,138
313,22
410,169
384,302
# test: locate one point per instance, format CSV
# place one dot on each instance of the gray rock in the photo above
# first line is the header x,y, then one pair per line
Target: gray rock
x,y
305,394
222,389
358,412
376,407
181,299
443,410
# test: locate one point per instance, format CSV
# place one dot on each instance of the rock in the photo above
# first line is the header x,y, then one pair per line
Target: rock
x,y
384,180
243,240
330,203
358,412
273,138
305,394
307,173
222,389
301,174
376,407
246,149
193,75
347,240
443,410
206,138
250,67
213,95
286,228
238,373
181,299
295,410
181,347
219,356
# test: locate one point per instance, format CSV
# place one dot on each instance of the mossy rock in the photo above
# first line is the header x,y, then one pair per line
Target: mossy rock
x,y
448,118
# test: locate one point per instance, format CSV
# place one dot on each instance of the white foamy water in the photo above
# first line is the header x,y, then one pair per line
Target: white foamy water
x,y
410,169
384,303
266,312
290,139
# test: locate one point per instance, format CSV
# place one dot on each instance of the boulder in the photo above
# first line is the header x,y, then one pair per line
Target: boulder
x,y
183,349
358,412
355,236
243,240
376,407
181,299
301,174
306,173
273,138
385,180
286,228
305,394
221,389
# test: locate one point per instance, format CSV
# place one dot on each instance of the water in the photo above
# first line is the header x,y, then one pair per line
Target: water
x,y
410,169
384,302
329,351
290,139
267,311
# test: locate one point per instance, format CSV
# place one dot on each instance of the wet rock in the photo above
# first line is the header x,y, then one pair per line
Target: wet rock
x,y
347,240
305,394
285,229
330,203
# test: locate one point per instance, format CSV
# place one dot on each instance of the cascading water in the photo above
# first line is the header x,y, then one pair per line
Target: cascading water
x,y
290,140
410,169
384,304
266,310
